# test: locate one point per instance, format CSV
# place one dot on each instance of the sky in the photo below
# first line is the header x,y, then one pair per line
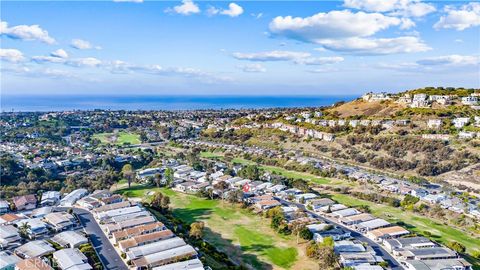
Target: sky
x,y
135,47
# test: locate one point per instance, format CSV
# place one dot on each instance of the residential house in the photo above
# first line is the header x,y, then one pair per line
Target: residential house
x,y
25,202
345,213
4,207
9,236
372,225
34,249
387,233
470,100
393,245
460,122
267,204
10,218
111,228
50,198
453,264
433,253
350,259
356,219
8,260
71,198
60,221
71,239
140,230
434,123
165,257
36,227
155,247
71,259
193,264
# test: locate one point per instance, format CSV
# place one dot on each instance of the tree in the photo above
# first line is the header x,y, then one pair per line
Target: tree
x,y
235,196
222,186
327,258
23,229
165,202
157,179
456,246
168,176
196,229
157,200
127,172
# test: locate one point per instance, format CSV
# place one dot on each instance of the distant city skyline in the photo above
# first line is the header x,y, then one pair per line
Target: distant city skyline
x,y
237,48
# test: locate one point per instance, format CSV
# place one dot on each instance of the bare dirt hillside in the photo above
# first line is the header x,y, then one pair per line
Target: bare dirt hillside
x,y
369,109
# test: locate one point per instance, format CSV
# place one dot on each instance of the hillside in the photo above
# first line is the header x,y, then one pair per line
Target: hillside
x,y
376,109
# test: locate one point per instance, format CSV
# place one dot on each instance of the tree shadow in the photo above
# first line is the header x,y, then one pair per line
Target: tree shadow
x,y
240,255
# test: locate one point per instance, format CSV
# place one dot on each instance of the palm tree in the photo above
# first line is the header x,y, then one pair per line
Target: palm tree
x,y
23,229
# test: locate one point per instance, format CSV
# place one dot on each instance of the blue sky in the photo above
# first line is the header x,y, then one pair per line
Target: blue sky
x,y
237,48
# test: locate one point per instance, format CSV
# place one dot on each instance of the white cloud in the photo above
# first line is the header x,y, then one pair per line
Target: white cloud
x,y
60,53
460,19
257,15
271,56
84,62
300,58
376,46
49,59
11,55
253,68
324,70
450,60
81,44
407,8
458,40
445,63
332,25
22,70
188,7
26,32
233,10
310,61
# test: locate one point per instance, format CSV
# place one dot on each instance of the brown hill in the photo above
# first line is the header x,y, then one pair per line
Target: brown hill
x,y
373,109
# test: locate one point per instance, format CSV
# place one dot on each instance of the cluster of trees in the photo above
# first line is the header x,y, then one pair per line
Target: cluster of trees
x,y
160,202
323,253
434,157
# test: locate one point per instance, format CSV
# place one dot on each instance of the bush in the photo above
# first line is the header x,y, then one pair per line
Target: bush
x,y
456,246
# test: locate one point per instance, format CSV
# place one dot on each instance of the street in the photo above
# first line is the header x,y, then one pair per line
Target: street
x,y
378,248
106,252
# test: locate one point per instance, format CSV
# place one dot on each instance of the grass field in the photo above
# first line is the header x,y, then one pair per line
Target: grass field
x,y
119,138
244,236
413,222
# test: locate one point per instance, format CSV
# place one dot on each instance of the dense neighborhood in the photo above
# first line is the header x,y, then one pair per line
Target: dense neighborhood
x,y
329,187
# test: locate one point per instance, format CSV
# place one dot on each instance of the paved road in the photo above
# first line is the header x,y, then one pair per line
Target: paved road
x,y
378,249
109,257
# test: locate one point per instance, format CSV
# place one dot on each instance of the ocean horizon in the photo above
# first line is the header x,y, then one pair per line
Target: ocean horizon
x,y
45,103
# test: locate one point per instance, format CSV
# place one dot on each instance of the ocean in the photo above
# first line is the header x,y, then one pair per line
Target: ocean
x,y
73,102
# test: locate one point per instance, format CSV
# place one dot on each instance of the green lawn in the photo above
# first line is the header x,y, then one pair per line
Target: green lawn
x,y
206,154
119,138
244,236
413,222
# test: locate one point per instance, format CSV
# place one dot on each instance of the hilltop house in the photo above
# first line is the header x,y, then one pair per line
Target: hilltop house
x,y
470,100
434,123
